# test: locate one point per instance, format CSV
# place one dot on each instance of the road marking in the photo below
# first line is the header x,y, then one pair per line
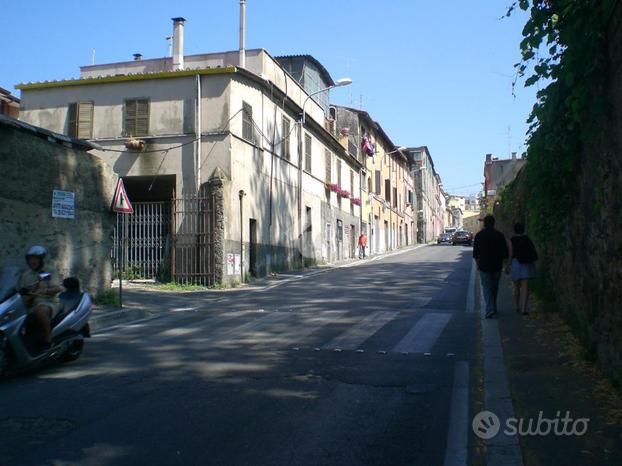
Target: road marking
x,y
501,450
423,335
470,299
456,453
360,332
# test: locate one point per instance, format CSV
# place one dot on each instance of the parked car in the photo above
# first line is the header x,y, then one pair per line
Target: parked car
x,y
444,238
462,237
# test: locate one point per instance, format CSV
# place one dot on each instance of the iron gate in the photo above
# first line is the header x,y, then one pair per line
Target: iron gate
x,y
192,240
141,240
167,240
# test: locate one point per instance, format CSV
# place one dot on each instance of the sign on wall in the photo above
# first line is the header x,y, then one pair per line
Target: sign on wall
x,y
63,204
233,264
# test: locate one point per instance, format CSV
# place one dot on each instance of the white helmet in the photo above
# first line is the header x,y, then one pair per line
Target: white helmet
x,y
38,251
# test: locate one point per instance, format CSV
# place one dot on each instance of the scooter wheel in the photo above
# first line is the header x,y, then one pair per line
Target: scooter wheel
x,y
74,351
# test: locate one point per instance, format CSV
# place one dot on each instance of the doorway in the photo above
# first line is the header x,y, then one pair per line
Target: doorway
x,y
252,246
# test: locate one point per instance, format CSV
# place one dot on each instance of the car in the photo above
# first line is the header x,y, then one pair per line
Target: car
x,y
444,238
462,237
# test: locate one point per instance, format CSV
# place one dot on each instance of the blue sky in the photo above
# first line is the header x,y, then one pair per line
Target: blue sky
x,y
431,73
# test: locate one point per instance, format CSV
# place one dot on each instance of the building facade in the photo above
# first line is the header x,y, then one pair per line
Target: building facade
x,y
428,193
203,126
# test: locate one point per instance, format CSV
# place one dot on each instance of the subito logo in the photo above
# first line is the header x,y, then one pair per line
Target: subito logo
x,y
486,425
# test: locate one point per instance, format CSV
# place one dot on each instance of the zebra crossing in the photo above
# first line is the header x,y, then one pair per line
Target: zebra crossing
x,y
413,332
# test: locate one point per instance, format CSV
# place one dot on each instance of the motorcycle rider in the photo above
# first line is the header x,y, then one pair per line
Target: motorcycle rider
x,y
39,293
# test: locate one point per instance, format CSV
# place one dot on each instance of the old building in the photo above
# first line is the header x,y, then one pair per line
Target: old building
x,y
498,173
216,156
427,187
9,104
386,181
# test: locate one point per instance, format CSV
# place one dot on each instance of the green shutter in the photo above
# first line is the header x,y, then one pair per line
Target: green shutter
x,y
142,117
72,116
130,118
85,120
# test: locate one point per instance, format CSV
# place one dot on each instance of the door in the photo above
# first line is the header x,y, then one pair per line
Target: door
x,y
339,239
329,242
252,243
352,241
386,236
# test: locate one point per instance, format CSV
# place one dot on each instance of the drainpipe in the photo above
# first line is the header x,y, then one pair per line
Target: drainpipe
x,y
241,194
198,134
300,135
242,34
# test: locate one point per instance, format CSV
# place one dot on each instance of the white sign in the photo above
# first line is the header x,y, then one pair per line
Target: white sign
x,y
233,264
63,204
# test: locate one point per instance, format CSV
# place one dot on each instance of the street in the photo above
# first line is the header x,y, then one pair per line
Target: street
x,y
354,365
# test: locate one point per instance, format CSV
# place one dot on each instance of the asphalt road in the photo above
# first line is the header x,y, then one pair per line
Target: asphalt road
x,y
353,366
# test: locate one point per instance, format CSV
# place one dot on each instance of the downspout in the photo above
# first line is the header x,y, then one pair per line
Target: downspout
x,y
300,193
198,133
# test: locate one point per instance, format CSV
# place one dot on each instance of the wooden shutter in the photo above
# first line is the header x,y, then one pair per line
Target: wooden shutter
x,y
329,166
247,122
339,173
85,120
72,116
130,118
308,153
387,190
285,138
378,178
142,117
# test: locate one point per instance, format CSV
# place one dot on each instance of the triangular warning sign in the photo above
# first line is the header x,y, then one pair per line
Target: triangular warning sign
x,y
121,203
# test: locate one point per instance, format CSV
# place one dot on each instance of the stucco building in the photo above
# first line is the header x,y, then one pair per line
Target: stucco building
x,y
428,194
223,130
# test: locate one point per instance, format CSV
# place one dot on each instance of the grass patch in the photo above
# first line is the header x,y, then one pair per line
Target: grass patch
x,y
109,298
172,286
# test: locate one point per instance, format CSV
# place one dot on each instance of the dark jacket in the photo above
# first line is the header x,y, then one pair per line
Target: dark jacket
x,y
490,249
523,249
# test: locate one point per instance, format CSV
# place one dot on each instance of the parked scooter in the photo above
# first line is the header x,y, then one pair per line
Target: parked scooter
x,y
20,345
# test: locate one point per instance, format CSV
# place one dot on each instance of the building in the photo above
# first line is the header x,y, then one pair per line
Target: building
x,y
498,173
9,104
386,195
216,157
428,194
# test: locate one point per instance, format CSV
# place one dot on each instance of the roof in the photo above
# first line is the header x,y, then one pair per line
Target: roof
x,y
46,134
124,77
323,71
7,95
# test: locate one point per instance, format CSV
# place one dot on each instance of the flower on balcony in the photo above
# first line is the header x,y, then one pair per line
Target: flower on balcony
x,y
343,193
335,188
356,201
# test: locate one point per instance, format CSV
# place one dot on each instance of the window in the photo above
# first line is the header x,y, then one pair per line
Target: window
x,y
247,122
339,172
308,153
352,182
378,188
81,120
137,117
369,185
387,190
285,130
395,197
329,166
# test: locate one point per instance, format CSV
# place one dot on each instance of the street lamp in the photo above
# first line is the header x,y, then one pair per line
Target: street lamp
x,y
339,83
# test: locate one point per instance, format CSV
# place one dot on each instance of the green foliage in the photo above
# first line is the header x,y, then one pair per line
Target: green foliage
x,y
109,298
564,50
172,286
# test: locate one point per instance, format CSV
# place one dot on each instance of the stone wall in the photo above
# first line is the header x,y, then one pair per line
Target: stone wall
x,y
581,267
32,167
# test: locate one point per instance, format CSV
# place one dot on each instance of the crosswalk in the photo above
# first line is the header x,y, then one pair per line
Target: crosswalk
x,y
406,332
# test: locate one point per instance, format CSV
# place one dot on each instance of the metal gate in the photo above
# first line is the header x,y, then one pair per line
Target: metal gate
x,y
167,240
141,240
192,240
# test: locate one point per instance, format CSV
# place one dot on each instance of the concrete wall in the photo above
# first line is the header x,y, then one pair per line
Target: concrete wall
x,y
32,168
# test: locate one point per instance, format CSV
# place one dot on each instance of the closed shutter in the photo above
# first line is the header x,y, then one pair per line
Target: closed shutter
x,y
308,153
285,138
72,116
387,190
329,166
137,117
339,172
85,120
378,178
247,122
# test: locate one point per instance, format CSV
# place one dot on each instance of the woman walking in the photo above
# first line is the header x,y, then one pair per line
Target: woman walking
x,y
523,266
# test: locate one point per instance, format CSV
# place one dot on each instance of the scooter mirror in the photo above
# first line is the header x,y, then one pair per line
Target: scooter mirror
x,y
45,276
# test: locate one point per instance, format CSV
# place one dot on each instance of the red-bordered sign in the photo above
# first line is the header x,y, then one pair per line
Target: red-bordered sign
x,y
121,203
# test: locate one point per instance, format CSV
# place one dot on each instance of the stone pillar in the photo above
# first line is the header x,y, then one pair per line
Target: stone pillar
x,y
215,192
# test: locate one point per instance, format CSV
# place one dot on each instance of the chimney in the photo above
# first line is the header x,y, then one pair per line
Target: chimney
x,y
178,43
242,34
513,155
138,56
488,158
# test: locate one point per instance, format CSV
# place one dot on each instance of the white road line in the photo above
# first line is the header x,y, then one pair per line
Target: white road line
x,y
423,335
356,335
470,299
502,450
456,453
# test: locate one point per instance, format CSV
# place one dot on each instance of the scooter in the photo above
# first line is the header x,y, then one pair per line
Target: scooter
x,y
20,346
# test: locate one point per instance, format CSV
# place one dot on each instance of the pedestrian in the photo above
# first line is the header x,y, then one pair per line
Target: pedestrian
x,y
362,245
490,251
523,266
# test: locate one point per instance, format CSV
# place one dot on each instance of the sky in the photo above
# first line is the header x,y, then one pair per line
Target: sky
x,y
433,73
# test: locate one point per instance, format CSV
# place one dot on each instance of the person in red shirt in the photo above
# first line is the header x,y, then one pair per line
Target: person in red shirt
x,y
362,245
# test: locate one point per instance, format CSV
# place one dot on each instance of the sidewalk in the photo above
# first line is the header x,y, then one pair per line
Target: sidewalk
x,y
144,301
547,375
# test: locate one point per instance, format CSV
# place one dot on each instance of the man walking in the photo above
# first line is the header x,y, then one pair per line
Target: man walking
x,y
362,245
490,251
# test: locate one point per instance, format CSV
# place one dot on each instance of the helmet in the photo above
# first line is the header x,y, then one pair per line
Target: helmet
x,y
38,251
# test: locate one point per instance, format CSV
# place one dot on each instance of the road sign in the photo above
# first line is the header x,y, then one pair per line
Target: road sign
x,y
121,203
